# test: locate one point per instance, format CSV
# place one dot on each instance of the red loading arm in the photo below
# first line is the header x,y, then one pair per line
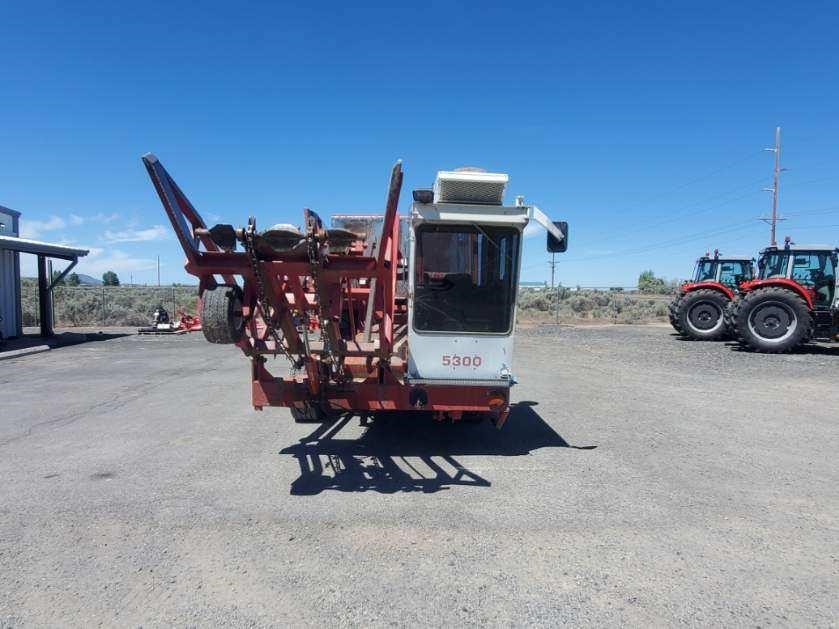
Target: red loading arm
x,y
184,217
387,262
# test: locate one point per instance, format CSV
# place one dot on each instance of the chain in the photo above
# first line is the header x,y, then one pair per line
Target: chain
x,y
262,297
313,250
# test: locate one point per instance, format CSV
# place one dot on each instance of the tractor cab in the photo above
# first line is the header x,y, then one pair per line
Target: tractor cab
x,y
729,271
812,267
463,276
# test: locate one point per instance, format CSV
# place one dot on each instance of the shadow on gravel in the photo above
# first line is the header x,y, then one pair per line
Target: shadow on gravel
x,y
405,454
813,350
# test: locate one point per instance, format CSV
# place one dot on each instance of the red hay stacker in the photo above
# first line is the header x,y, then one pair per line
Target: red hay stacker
x,y
373,313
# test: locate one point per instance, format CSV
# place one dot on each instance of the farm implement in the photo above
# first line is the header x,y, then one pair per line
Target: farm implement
x,y
372,313
162,324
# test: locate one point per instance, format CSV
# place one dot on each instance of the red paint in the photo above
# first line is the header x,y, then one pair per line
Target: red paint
x,y
807,294
689,287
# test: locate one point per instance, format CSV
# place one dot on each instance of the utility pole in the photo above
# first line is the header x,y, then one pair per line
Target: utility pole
x,y
554,286
773,221
158,271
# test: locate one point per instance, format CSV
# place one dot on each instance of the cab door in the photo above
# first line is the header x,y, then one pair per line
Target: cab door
x,y
463,282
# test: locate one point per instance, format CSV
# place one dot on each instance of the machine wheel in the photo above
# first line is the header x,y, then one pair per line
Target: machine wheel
x,y
772,320
221,314
701,315
672,311
728,315
314,413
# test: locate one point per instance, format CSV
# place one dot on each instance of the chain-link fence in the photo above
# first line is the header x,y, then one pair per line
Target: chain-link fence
x,y
76,306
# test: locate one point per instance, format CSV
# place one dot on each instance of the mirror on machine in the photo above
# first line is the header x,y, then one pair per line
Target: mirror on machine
x,y
555,245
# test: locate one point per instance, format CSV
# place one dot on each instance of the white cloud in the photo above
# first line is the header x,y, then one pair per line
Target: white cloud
x,y
533,229
156,232
95,263
100,260
34,228
99,217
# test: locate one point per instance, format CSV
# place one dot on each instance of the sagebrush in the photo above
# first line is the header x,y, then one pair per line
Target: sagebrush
x,y
106,305
133,305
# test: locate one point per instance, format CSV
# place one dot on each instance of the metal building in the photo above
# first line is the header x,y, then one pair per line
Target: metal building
x,y
11,246
10,321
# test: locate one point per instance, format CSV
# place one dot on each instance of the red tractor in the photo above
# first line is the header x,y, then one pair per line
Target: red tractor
x,y
792,301
698,312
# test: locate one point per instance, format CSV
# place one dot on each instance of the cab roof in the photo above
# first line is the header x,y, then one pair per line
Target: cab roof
x,y
819,248
728,258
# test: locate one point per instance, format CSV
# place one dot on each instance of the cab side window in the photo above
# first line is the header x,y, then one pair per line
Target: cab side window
x,y
816,271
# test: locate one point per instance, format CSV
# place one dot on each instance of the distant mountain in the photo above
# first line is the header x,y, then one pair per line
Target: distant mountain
x,y
86,280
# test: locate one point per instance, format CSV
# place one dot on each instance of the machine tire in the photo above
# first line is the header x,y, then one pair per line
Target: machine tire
x,y
672,309
221,314
313,413
701,315
728,316
772,320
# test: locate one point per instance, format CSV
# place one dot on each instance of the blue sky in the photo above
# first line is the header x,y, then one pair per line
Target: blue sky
x,y
642,124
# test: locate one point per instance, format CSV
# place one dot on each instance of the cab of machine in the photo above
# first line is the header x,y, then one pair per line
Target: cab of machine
x,y
465,254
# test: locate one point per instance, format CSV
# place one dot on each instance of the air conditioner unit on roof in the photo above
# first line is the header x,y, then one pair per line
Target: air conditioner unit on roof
x,y
470,187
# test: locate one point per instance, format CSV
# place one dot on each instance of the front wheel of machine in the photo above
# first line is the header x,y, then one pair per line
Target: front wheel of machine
x,y
772,320
221,314
701,315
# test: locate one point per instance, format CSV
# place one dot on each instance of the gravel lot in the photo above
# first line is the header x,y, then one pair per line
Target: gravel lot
x,y
640,480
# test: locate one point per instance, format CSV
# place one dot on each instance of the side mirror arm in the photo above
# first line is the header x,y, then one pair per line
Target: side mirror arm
x,y
535,214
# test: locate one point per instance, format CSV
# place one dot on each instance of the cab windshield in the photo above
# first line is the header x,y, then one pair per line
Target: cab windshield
x,y
706,271
465,278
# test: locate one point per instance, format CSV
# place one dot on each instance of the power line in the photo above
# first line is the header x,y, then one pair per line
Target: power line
x,y
672,242
826,210
687,184
689,209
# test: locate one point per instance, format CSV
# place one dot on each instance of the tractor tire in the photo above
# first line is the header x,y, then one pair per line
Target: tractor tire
x,y
672,309
728,316
221,314
701,315
772,320
313,413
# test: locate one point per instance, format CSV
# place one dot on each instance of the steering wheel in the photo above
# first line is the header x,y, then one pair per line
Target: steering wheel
x,y
438,283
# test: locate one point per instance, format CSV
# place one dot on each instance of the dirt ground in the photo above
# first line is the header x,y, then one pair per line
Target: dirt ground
x,y
640,480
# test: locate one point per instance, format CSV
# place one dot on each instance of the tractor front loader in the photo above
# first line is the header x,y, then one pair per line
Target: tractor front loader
x,y
699,310
373,313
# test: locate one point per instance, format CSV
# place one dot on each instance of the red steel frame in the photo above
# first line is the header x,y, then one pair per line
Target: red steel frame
x,y
343,371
